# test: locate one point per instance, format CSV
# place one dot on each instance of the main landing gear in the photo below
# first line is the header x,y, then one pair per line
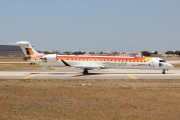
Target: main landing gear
x,y
85,72
164,71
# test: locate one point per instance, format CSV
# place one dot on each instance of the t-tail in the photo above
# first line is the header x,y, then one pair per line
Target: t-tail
x,y
27,49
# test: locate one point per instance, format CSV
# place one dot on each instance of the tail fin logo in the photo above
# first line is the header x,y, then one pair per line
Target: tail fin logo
x,y
29,51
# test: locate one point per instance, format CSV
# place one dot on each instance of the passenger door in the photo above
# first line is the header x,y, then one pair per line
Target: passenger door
x,y
152,64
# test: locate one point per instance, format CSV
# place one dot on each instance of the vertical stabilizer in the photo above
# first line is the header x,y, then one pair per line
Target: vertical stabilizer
x,y
28,49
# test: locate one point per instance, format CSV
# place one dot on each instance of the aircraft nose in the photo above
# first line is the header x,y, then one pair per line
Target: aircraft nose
x,y
170,66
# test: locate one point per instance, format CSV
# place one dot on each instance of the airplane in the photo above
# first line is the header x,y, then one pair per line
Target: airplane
x,y
92,62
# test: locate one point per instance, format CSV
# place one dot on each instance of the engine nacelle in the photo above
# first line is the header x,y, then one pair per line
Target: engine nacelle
x,y
50,58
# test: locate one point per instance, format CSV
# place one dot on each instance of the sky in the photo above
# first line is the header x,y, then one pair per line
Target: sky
x,y
92,25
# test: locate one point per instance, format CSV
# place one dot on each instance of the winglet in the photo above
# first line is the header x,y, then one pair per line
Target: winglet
x,y
65,63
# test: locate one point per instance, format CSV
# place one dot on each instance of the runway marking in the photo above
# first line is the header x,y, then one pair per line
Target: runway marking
x,y
27,77
132,77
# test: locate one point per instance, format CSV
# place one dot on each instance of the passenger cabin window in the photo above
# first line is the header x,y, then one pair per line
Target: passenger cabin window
x,y
44,58
162,61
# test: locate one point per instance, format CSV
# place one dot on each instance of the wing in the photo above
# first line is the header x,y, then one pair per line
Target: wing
x,y
88,67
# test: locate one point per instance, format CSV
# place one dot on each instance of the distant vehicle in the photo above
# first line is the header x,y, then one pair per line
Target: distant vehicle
x,y
92,62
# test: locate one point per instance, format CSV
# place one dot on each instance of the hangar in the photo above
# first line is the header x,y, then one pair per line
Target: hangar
x,y
10,50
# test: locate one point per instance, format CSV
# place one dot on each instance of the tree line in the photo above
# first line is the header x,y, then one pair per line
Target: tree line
x,y
147,53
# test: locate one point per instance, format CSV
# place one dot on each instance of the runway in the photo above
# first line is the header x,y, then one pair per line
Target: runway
x,y
67,73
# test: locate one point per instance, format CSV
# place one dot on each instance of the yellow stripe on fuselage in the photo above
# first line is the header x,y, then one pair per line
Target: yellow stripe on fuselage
x,y
107,59
147,59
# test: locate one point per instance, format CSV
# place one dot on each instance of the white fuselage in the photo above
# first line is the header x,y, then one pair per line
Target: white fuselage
x,y
95,62
92,62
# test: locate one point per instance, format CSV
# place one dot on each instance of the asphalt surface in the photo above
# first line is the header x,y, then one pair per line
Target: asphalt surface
x,y
69,73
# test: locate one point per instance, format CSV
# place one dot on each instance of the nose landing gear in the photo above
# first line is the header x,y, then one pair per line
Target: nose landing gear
x,y
164,71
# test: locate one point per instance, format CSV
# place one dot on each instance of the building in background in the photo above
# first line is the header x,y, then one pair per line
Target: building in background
x,y
10,50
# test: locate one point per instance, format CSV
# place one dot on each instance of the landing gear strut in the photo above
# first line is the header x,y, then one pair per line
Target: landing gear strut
x,y
85,72
164,71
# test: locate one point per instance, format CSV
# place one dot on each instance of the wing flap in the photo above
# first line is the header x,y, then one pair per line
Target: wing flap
x,y
88,67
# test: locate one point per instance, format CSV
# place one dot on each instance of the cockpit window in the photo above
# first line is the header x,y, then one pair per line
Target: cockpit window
x,y
162,61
